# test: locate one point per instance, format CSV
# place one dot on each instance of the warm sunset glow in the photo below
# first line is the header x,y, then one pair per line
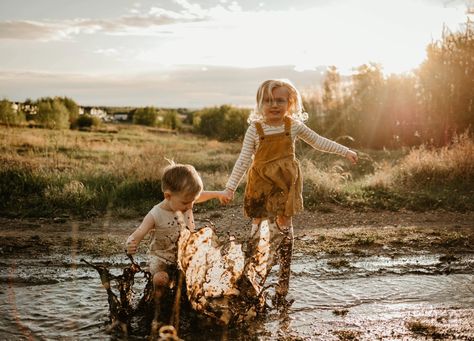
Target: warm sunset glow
x,y
146,39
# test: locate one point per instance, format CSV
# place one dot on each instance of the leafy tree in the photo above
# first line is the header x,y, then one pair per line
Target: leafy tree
x,y
334,105
401,122
171,119
223,123
72,108
52,113
365,103
446,82
145,116
235,124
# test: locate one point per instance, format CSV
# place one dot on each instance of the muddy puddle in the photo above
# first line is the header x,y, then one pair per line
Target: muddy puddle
x,y
423,296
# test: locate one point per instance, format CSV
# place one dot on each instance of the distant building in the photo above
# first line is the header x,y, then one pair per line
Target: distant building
x,y
28,109
101,113
15,107
94,111
120,117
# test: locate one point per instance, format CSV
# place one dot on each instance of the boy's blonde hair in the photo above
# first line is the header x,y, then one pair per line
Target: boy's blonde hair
x,y
179,178
295,103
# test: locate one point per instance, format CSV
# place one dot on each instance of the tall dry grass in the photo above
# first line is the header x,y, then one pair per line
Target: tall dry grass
x,y
45,172
48,173
427,178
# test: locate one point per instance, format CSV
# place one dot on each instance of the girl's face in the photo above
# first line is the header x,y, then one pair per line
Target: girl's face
x,y
275,109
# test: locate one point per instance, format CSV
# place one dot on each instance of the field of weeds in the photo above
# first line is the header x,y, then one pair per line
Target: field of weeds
x,y
46,173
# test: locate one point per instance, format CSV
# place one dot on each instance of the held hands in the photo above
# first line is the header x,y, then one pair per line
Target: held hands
x,y
131,246
224,196
351,156
227,196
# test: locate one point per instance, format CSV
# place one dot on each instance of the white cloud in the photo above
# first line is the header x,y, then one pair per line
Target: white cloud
x,y
150,23
32,30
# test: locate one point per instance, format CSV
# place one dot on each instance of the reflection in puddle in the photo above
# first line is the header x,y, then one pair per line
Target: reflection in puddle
x,y
377,295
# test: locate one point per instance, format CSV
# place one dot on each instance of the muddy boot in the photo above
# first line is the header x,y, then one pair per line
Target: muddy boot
x,y
285,252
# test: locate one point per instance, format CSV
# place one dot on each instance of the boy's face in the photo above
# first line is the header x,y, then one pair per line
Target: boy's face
x,y
181,201
274,109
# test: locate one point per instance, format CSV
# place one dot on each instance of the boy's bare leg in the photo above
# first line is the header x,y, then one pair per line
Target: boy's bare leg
x,y
160,285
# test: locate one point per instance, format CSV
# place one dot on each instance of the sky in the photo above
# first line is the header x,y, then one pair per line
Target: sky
x,y
188,53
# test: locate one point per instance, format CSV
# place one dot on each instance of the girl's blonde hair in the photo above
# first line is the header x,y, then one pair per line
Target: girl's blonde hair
x,y
179,178
295,103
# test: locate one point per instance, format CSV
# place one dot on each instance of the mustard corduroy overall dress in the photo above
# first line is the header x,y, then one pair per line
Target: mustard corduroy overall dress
x,y
274,183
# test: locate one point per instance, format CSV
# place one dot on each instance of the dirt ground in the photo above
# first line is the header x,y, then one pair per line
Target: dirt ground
x,y
335,234
334,231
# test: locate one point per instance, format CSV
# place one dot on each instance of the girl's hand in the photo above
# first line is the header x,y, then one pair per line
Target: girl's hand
x,y
228,196
351,156
131,246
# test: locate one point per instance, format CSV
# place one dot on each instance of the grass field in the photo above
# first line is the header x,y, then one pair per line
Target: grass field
x,y
46,173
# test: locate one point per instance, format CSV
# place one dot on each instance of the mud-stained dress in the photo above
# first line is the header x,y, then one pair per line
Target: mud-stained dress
x,y
274,182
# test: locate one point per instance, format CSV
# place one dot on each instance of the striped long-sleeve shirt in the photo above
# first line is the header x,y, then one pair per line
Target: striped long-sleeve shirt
x,y
298,129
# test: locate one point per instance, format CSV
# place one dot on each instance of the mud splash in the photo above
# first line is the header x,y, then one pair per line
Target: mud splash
x,y
221,282
122,309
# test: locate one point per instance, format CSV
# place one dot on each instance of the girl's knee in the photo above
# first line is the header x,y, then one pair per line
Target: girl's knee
x,y
161,279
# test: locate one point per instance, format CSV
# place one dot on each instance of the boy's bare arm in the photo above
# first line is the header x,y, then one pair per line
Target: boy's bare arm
x,y
136,237
208,195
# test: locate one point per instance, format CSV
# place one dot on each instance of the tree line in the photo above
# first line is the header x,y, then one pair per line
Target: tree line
x,y
46,112
432,104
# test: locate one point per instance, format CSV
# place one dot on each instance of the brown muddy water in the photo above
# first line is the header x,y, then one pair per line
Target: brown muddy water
x,y
421,296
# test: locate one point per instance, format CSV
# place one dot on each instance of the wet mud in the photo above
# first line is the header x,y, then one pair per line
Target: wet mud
x,y
354,276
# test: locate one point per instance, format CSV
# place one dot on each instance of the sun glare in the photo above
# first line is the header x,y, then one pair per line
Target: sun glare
x,y
347,34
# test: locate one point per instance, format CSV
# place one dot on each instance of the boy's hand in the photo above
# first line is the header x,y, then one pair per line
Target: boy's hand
x,y
352,156
131,246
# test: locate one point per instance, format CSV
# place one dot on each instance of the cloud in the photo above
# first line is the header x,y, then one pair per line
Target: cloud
x,y
138,22
134,24
31,30
193,87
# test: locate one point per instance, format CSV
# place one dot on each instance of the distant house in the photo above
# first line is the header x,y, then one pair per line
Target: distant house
x,y
98,112
120,117
28,109
94,111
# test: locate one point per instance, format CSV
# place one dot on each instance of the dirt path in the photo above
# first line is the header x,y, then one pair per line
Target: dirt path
x,y
335,231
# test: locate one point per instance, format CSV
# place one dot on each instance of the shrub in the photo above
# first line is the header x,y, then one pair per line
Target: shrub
x,y
145,116
8,115
170,119
225,123
72,108
87,121
452,166
52,113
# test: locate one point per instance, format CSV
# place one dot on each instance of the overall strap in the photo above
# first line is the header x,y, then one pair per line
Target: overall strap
x,y
259,128
287,125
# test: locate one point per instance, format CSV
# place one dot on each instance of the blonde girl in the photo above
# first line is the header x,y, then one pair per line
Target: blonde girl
x,y
274,181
